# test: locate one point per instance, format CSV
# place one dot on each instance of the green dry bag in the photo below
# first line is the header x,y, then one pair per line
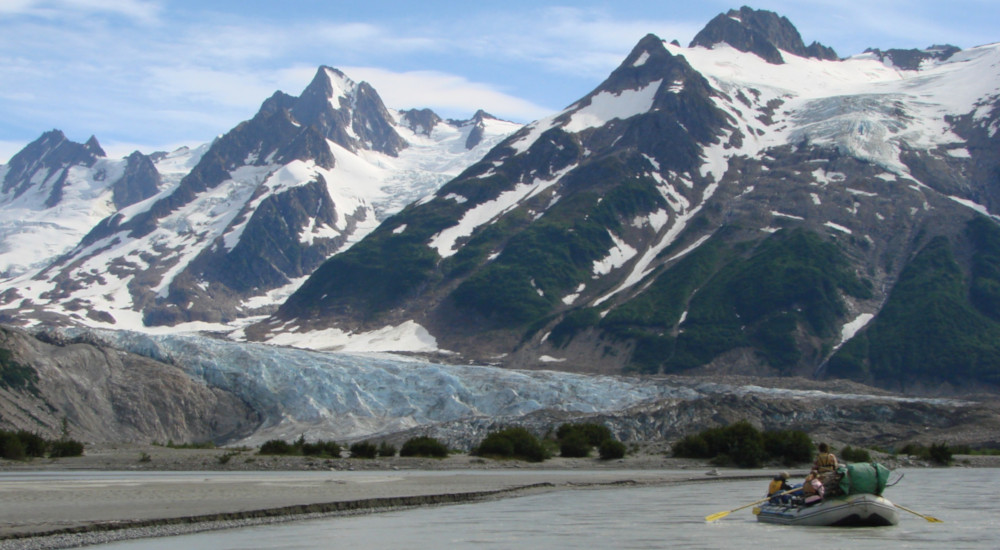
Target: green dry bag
x,y
863,477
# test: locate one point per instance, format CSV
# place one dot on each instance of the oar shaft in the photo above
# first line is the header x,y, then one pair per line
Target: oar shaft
x,y
719,515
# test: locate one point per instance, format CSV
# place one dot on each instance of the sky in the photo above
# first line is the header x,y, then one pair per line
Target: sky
x,y
153,75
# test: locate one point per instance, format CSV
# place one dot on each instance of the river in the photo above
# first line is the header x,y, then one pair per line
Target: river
x,y
673,516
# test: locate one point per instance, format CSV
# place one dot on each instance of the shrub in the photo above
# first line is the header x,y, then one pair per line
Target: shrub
x,y
940,453
691,446
791,447
512,443
364,449
611,449
65,448
595,434
424,446
226,457
322,448
11,447
851,454
743,445
574,445
34,444
386,449
276,447
495,444
23,445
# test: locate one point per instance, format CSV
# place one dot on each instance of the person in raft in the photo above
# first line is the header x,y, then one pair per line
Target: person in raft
x,y
825,460
825,469
779,485
812,489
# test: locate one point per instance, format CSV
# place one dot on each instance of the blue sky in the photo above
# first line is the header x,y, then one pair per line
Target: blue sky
x,y
156,74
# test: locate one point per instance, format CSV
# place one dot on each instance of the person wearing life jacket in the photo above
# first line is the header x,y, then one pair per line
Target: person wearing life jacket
x,y
779,485
825,460
825,469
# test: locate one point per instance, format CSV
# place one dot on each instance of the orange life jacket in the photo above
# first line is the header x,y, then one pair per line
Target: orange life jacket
x,y
776,486
825,462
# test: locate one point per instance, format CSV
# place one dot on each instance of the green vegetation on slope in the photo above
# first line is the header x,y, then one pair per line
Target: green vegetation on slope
x,y
929,328
737,297
553,255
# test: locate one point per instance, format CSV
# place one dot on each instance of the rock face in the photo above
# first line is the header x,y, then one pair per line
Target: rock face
x,y
109,395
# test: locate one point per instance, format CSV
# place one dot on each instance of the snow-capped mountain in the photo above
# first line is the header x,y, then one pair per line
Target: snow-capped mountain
x,y
229,229
745,204
55,190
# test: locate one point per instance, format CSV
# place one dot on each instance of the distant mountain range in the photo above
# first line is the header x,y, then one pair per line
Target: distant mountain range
x,y
744,205
224,231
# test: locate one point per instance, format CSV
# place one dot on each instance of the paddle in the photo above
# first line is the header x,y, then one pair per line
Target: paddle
x,y
931,519
719,515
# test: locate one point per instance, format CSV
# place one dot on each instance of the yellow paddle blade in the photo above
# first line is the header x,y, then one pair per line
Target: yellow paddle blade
x,y
756,510
716,516
930,519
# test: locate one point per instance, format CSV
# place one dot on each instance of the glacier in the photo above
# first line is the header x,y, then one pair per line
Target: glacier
x,y
344,396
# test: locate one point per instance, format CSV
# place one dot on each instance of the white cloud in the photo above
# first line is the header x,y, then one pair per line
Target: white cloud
x,y
450,95
573,41
138,10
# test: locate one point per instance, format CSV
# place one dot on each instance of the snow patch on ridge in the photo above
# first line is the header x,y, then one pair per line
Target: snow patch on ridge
x,y
605,107
618,256
407,337
445,241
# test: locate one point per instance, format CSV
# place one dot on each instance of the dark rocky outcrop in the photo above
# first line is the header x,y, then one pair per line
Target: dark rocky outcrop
x,y
760,32
912,59
140,181
421,121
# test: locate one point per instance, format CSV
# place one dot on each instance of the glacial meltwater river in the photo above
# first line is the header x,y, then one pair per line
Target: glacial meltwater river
x,y
671,516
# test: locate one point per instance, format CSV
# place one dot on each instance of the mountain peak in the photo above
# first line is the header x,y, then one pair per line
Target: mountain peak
x,y
649,60
94,147
348,113
760,32
52,151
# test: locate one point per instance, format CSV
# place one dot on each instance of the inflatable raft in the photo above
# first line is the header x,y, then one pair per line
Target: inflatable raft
x,y
858,510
